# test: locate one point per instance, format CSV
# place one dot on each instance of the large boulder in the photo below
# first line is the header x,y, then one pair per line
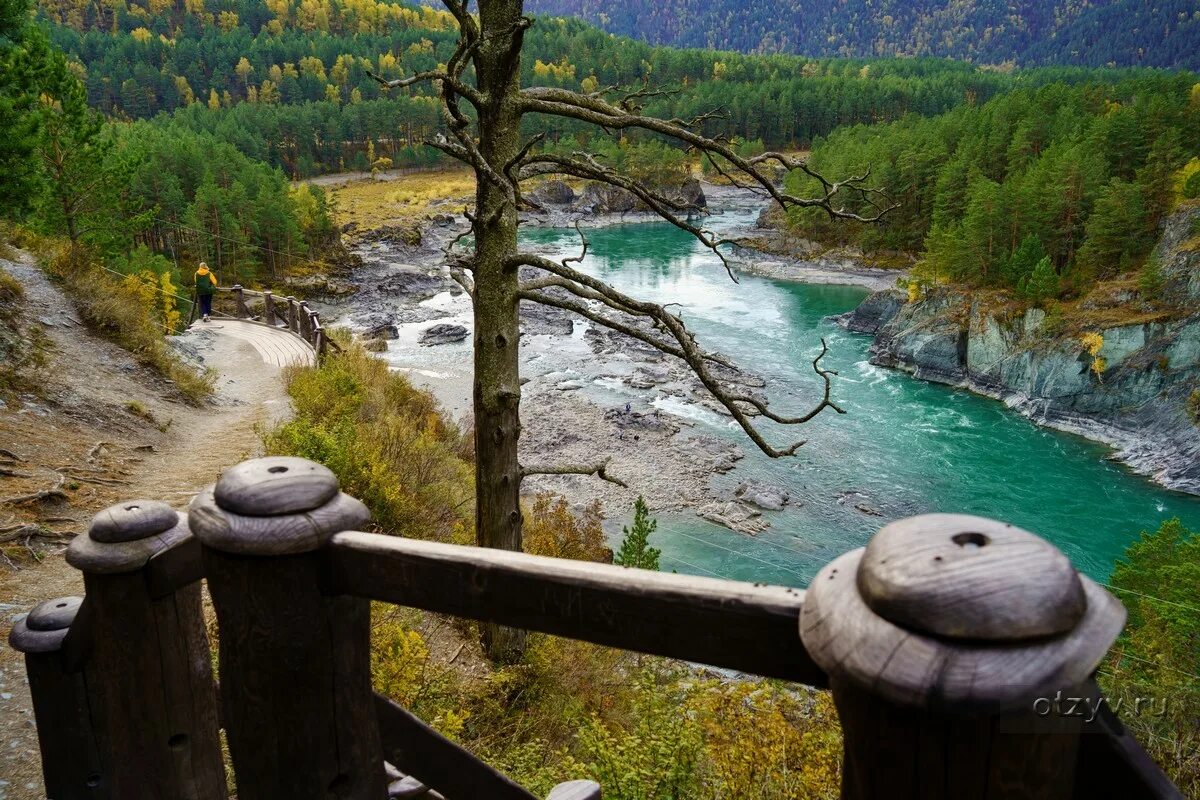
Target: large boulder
x,y
692,194
735,516
443,333
873,313
383,331
412,283
555,193
764,496
599,198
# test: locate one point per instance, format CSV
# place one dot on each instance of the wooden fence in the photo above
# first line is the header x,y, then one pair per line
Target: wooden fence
x,y
281,313
944,642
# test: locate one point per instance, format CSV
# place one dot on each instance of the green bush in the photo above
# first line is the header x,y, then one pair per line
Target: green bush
x,y
387,443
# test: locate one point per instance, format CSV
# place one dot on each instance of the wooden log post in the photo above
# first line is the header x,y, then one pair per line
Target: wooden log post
x,y
269,308
306,321
239,297
293,321
296,693
148,666
952,643
71,766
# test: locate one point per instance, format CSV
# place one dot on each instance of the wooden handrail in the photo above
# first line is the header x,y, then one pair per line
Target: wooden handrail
x,y
124,697
729,624
1114,764
431,758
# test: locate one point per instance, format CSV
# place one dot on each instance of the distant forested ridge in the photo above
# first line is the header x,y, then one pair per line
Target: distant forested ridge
x,y
1159,33
288,83
1040,190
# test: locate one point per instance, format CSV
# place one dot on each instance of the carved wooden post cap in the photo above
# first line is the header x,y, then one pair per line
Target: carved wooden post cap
x,y
124,536
43,629
950,609
273,506
575,790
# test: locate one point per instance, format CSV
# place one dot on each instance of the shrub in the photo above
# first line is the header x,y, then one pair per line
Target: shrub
x,y
635,548
552,530
1150,278
385,440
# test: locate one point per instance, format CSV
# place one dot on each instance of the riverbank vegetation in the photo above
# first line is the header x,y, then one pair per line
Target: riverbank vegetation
x,y
1157,657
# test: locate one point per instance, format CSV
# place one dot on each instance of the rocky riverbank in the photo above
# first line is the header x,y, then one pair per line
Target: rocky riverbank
x,y
414,314
1136,388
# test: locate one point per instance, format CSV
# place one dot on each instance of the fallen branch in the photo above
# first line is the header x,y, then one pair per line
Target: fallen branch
x,y
55,492
10,455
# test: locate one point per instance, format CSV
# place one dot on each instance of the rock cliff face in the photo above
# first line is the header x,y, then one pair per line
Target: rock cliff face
x,y
1145,401
598,198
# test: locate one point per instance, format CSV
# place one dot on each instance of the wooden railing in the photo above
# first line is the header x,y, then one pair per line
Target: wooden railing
x,y
281,313
939,640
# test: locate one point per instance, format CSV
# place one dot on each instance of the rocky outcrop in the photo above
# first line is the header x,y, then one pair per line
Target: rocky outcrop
x,y
1137,393
600,198
871,314
764,496
735,516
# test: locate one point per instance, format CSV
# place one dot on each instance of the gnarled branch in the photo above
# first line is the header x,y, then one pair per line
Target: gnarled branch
x,y
600,470
683,346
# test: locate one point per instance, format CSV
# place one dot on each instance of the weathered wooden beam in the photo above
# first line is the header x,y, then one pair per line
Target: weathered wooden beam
x,y
269,308
436,761
239,297
293,319
1113,764
295,663
146,661
175,567
748,627
71,763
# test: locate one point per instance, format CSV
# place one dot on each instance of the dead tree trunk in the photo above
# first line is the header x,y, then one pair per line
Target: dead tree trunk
x,y
489,141
497,389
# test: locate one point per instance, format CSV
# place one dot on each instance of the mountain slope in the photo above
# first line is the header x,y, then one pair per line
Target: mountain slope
x,y
1162,33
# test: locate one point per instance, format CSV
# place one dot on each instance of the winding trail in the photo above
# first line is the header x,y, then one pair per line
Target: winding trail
x,y
117,431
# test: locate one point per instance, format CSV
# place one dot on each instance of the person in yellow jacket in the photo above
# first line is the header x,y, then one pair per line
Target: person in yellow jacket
x,y
206,286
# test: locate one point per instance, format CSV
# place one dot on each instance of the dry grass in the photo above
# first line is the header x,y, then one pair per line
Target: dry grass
x,y
408,198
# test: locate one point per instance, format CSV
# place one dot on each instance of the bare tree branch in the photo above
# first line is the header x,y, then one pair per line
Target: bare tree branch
x,y
583,165
684,346
597,111
430,76
599,470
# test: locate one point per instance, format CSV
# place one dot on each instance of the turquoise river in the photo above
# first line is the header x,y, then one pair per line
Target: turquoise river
x,y
903,446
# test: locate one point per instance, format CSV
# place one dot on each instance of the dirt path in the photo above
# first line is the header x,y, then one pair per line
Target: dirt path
x,y
105,429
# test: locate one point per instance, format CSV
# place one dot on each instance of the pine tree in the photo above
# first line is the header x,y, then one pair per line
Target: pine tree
x,y
635,546
1042,283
